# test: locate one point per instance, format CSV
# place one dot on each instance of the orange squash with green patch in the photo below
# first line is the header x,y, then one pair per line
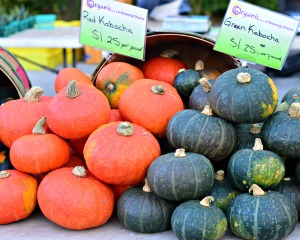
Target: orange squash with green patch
x,y
262,167
244,95
114,78
19,195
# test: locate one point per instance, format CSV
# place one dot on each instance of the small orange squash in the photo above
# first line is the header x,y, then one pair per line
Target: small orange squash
x,y
150,104
120,153
18,195
39,152
73,198
77,110
114,78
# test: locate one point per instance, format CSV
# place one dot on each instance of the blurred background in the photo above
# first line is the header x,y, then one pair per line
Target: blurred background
x,y
70,9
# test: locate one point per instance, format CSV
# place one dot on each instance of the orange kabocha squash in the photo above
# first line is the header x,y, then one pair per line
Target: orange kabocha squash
x,y
150,104
77,110
18,195
114,78
66,75
19,116
120,153
73,198
39,152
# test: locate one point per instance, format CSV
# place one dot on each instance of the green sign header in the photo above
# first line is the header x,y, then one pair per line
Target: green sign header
x,y
255,34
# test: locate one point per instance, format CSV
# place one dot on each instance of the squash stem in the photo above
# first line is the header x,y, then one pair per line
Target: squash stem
x,y
205,202
4,174
205,84
146,187
179,153
258,145
158,89
125,129
72,90
243,77
219,175
256,190
207,110
33,94
294,110
39,127
79,171
255,128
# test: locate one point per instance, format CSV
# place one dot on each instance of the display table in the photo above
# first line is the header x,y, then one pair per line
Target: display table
x,y
60,37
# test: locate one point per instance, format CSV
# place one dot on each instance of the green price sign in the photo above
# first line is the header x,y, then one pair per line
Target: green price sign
x,y
255,34
114,26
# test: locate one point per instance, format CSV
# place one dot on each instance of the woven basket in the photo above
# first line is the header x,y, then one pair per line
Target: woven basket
x,y
192,47
14,80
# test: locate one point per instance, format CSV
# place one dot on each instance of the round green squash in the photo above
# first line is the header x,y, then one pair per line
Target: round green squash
x,y
244,95
202,132
223,191
281,132
199,97
249,166
262,215
290,93
193,220
290,188
181,176
246,133
141,210
185,81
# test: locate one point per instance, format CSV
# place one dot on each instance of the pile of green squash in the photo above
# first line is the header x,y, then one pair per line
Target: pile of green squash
x,y
231,162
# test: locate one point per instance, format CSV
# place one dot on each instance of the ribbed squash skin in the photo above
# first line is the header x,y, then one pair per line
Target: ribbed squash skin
x,y
263,167
181,178
281,134
196,132
272,216
144,212
290,93
190,221
199,98
291,189
244,137
223,192
250,102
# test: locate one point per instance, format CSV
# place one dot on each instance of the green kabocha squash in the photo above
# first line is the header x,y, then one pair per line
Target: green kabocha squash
x,y
141,210
281,132
199,97
284,106
202,132
290,93
223,191
181,176
185,81
246,133
243,95
290,188
249,166
262,215
194,220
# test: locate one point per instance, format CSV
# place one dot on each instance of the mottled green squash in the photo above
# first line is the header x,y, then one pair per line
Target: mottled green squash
x,y
262,215
199,220
223,191
199,97
202,132
290,188
281,132
141,210
244,95
181,176
246,133
290,93
249,166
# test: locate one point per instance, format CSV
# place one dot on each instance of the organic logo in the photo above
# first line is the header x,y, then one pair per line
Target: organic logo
x,y
236,10
90,3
